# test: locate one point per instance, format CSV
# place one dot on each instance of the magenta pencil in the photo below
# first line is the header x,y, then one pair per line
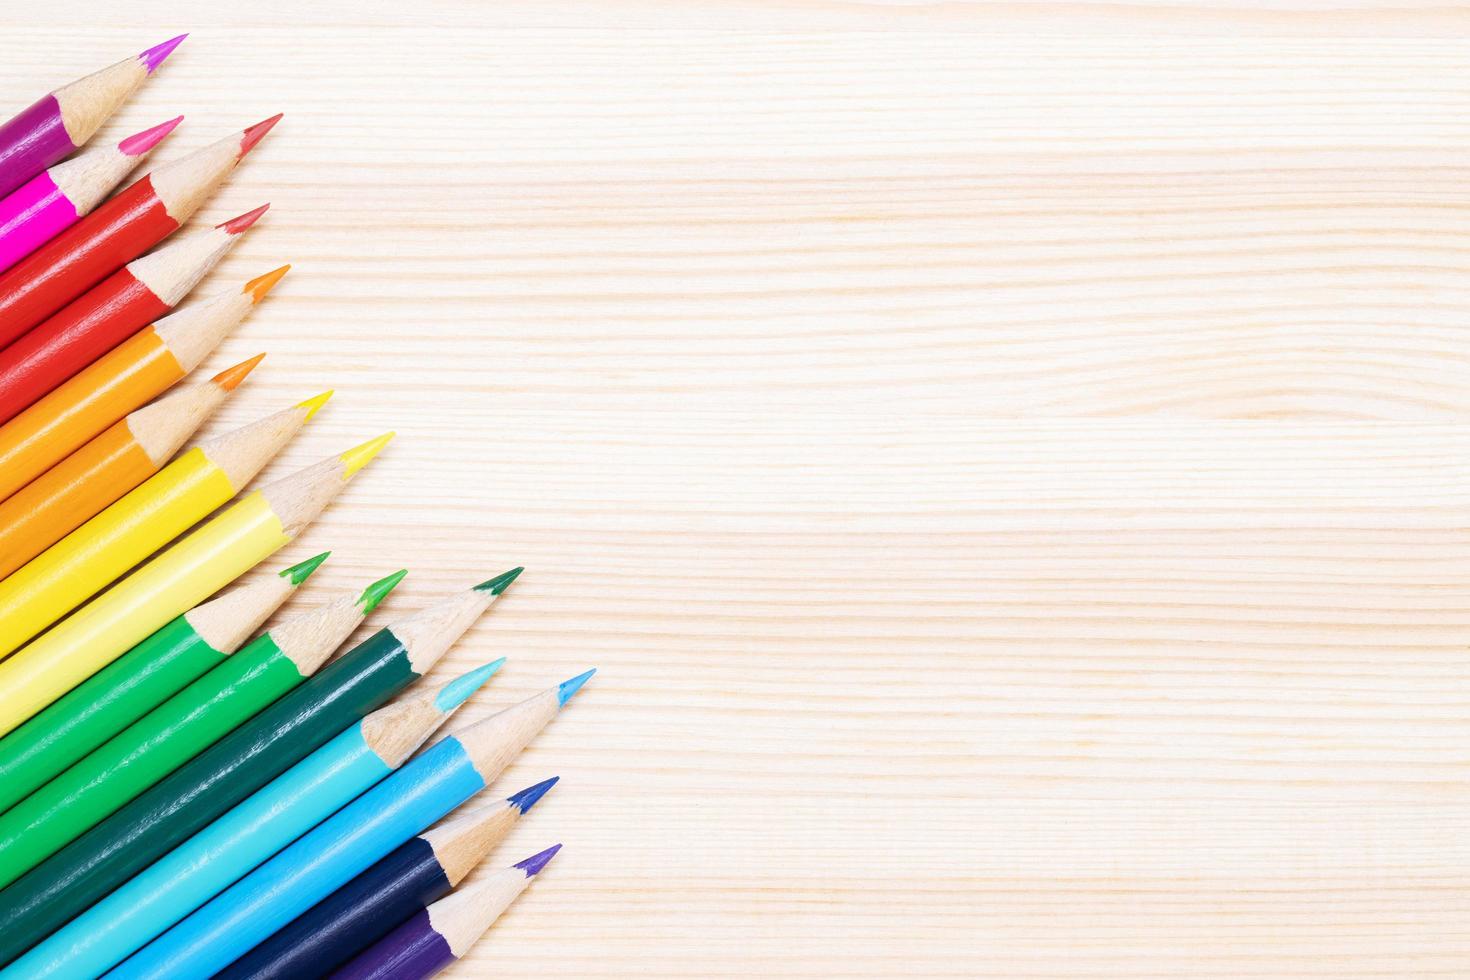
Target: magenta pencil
x,y
63,120
51,202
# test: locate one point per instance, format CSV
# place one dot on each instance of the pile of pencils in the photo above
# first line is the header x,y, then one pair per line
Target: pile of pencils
x,y
178,799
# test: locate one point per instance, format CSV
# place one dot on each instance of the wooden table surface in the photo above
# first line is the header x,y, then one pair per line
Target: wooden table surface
x,y
1008,462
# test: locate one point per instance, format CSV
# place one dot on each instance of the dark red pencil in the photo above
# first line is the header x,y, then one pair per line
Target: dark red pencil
x,y
103,317
116,233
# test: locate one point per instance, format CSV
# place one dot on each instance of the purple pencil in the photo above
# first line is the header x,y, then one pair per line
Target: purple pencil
x,y
65,119
444,932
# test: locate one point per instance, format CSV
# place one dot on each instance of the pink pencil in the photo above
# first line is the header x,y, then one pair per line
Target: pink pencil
x,y
67,118
51,202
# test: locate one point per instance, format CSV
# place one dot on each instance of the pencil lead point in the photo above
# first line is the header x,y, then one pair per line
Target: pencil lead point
x,y
155,55
536,862
260,285
301,571
140,143
254,134
527,798
566,689
229,379
239,223
359,456
314,404
501,582
374,594
457,691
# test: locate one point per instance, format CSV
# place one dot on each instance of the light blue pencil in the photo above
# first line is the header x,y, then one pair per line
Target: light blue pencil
x,y
227,850
399,807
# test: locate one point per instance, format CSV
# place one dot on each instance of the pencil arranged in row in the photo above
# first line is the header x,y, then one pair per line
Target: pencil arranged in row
x,y
119,231
443,933
141,368
389,893
250,833
184,492
347,843
114,462
361,680
61,121
140,680
188,572
106,315
179,729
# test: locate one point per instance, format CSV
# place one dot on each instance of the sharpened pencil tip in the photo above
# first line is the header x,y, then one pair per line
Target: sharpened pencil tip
x,y
536,862
357,457
155,55
374,594
229,379
260,285
239,223
526,798
140,143
457,691
254,134
566,689
501,582
301,571
314,404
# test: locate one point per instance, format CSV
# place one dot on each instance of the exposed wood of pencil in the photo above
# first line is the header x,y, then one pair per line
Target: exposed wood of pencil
x,y
462,841
427,634
308,639
464,916
491,744
228,620
393,732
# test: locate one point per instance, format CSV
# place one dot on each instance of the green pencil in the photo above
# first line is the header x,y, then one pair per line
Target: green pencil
x,y
139,681
361,680
177,730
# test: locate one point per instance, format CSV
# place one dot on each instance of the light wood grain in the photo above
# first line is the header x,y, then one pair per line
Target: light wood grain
x,y
1009,462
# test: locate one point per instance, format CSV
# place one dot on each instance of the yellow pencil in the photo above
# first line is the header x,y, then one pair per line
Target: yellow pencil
x,y
177,579
166,505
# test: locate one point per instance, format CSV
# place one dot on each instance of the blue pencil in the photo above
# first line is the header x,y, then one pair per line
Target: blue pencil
x,y
450,772
241,839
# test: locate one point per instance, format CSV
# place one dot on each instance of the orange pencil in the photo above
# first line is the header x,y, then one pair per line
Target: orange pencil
x,y
135,372
123,456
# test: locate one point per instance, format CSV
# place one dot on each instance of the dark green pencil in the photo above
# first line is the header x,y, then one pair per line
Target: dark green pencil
x,y
277,738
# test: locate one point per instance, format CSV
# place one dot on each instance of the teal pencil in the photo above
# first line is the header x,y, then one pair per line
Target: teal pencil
x,y
229,848
405,803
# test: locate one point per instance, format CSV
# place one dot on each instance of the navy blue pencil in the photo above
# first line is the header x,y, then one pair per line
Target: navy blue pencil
x,y
399,886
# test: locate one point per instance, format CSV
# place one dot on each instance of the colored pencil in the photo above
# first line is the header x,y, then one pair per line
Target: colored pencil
x,y
123,456
359,681
100,551
211,557
230,847
178,729
347,843
135,372
122,229
65,119
140,680
398,887
111,312
51,202
443,933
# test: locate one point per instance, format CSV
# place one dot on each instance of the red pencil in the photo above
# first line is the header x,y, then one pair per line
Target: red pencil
x,y
124,303
116,233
